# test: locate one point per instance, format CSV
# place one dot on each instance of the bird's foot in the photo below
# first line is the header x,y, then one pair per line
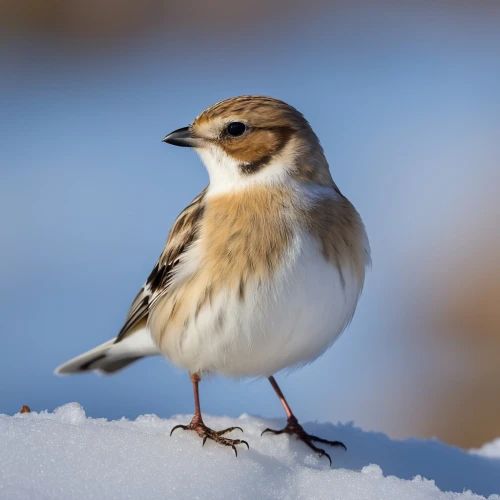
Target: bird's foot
x,y
205,433
293,427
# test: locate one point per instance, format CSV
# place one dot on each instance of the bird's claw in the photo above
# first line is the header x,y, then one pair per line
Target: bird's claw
x,y
183,427
294,428
206,433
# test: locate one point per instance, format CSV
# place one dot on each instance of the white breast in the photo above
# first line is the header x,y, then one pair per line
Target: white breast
x,y
286,322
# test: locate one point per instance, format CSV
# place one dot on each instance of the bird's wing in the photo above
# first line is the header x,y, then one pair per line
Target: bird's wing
x,y
182,234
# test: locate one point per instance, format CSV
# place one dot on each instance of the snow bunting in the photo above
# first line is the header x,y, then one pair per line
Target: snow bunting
x,y
261,271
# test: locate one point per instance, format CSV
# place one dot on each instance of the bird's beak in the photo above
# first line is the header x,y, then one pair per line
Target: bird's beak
x,y
182,137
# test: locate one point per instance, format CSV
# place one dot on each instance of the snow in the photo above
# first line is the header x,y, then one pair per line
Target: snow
x,y
64,455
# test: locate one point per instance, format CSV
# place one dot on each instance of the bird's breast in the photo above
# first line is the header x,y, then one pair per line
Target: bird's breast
x,y
285,320
267,285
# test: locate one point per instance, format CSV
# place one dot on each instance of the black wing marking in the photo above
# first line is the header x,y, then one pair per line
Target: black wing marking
x,y
184,232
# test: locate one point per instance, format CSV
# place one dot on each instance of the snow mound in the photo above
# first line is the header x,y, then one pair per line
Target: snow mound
x,y
64,454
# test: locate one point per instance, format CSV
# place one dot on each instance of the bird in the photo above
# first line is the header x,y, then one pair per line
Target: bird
x,y
261,272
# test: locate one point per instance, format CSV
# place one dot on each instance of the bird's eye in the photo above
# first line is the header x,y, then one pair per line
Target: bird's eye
x,y
235,129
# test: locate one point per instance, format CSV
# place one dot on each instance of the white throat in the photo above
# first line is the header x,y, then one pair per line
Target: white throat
x,y
226,175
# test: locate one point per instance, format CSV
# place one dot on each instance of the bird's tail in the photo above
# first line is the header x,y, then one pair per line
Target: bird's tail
x,y
112,356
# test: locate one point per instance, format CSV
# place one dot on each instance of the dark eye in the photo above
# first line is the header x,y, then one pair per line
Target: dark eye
x,y
235,129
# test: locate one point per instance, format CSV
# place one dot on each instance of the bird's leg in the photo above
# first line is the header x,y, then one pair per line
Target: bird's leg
x,y
201,429
293,427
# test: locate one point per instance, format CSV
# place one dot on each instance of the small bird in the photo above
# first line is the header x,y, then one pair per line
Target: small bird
x,y
262,271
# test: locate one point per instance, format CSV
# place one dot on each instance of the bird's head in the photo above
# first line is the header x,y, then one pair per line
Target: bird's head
x,y
254,140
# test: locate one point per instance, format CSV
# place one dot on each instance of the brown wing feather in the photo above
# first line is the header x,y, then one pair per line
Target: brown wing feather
x,y
183,233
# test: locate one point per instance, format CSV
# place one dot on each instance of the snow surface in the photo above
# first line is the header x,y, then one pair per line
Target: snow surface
x,y
65,455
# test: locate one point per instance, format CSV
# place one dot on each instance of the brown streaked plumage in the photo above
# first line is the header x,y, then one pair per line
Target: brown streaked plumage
x,y
262,271
338,226
183,233
243,236
272,125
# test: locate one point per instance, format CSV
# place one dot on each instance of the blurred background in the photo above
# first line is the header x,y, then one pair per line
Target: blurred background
x,y
405,97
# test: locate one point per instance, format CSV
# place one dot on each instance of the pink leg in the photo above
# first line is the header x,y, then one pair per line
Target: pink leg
x,y
201,429
293,426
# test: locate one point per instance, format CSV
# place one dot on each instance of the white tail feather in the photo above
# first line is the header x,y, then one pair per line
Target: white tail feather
x,y
111,357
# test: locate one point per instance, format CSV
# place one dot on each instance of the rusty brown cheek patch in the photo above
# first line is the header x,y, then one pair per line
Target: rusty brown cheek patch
x,y
257,148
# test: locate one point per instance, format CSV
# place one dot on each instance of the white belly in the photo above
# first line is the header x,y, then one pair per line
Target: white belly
x,y
287,322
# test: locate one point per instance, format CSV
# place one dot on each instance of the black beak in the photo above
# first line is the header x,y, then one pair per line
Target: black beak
x,y
182,137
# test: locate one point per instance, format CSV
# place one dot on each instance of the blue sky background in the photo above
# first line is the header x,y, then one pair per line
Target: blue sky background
x,y
406,104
